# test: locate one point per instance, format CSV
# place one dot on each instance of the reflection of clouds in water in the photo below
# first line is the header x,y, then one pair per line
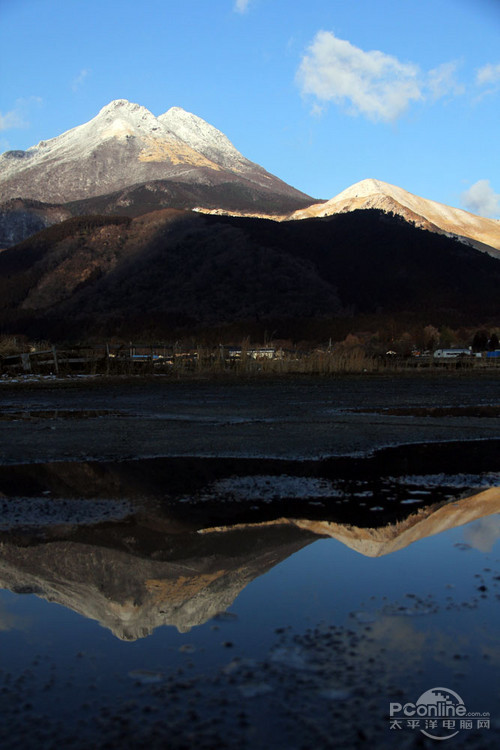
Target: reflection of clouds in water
x,y
10,621
483,534
492,653
489,645
400,634
410,640
404,645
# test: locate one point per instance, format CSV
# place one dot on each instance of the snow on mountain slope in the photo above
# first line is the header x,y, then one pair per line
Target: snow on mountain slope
x,y
482,233
120,120
204,138
125,145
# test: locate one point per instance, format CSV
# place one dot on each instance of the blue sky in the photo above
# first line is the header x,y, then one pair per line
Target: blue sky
x,y
321,93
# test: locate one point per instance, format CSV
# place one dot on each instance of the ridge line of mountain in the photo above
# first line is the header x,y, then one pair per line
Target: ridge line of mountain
x,y
125,145
125,160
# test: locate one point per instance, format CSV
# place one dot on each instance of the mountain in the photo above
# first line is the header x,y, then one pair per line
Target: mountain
x,y
99,234
178,271
484,234
126,146
125,161
22,218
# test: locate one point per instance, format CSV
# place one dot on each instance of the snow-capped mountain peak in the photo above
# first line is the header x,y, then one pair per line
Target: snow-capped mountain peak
x,y
122,109
121,119
126,145
366,187
427,214
121,105
201,136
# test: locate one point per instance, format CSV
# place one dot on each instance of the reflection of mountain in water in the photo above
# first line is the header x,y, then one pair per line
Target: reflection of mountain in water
x,y
186,580
426,522
192,533
132,579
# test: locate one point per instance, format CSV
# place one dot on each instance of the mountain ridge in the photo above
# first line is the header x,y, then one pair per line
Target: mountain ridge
x,y
480,232
172,272
125,145
128,161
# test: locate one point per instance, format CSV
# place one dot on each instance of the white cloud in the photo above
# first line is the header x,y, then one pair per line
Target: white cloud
x,y
78,81
317,109
12,120
16,118
488,75
241,6
373,84
481,199
442,81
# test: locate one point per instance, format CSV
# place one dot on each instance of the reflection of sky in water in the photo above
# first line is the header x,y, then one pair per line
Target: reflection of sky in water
x,y
328,579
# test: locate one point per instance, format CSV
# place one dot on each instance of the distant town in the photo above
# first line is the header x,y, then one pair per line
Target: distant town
x,y
357,353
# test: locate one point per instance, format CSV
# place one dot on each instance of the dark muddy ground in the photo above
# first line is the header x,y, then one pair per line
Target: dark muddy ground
x,y
304,418
320,548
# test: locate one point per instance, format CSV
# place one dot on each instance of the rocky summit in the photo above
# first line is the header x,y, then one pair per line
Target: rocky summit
x,y
125,145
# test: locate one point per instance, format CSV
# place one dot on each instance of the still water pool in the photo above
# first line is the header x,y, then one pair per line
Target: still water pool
x,y
277,633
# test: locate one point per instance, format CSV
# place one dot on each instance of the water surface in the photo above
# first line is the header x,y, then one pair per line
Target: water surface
x,y
278,606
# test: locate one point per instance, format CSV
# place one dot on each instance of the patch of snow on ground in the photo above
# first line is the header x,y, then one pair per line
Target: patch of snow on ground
x,y
268,488
490,479
38,511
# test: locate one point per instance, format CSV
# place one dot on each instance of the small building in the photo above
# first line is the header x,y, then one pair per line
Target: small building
x,y
261,353
455,353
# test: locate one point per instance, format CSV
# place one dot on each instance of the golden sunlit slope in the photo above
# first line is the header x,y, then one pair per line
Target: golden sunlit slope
x,y
484,234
